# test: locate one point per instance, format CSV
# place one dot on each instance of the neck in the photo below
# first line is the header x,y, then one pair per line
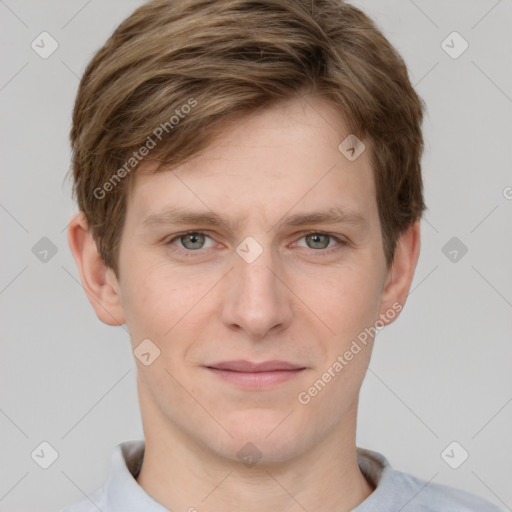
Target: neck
x,y
181,474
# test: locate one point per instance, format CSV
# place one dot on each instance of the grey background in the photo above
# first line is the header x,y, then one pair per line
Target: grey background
x,y
441,373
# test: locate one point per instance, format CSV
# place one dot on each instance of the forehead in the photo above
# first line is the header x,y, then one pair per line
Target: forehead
x,y
286,157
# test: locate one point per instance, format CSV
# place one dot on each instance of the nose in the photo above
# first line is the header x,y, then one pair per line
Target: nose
x,y
256,298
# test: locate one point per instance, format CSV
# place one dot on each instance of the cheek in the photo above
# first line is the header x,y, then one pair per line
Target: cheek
x,y
154,299
345,299
168,305
354,308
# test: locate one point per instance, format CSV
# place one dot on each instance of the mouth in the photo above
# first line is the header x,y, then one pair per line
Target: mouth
x,y
256,375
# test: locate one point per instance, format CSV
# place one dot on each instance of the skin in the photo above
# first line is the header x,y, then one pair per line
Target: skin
x,y
290,304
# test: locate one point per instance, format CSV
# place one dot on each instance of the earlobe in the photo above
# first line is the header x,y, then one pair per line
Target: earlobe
x,y
98,281
401,273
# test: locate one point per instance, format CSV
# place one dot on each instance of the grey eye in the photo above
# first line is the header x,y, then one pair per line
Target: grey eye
x,y
319,241
193,240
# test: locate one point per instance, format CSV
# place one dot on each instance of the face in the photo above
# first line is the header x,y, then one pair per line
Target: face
x,y
249,296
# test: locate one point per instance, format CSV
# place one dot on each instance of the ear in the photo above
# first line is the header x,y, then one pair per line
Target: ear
x,y
99,281
400,274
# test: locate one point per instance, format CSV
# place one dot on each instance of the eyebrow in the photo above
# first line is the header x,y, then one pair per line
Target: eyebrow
x,y
177,216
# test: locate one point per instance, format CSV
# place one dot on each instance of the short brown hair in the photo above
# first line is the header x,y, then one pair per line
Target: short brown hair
x,y
182,69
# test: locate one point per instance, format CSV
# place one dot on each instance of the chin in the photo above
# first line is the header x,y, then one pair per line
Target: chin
x,y
260,452
262,437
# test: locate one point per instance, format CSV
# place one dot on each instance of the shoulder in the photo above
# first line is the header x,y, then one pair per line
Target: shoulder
x,y
120,491
426,496
395,490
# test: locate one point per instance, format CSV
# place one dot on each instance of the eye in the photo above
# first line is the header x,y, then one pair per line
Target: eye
x,y
191,241
321,241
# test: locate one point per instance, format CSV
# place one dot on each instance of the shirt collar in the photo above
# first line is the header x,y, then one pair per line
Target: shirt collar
x,y
122,492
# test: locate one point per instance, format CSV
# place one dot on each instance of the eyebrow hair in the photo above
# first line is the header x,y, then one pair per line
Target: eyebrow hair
x,y
180,216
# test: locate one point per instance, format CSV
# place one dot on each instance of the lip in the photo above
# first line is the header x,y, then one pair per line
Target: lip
x,y
248,374
250,367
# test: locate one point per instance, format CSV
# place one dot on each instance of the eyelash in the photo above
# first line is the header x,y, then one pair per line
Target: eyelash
x,y
321,252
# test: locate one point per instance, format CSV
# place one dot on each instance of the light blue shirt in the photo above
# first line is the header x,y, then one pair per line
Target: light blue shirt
x,y
394,491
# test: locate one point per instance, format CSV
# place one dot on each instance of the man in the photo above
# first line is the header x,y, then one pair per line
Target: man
x,y
249,183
